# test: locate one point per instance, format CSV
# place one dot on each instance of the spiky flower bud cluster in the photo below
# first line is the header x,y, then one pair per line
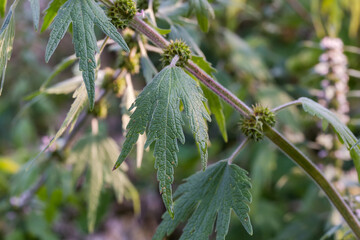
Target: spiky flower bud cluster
x,y
252,127
176,48
129,37
122,12
130,61
119,86
144,4
101,109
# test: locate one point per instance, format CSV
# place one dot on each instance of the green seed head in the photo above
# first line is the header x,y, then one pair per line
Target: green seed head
x,y
264,114
252,127
122,12
144,4
132,63
176,48
101,109
129,37
119,86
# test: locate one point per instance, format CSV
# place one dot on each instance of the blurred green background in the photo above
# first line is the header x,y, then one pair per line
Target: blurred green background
x,y
264,51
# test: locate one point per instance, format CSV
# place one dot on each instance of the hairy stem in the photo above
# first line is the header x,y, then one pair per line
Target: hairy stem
x,y
305,163
296,155
216,87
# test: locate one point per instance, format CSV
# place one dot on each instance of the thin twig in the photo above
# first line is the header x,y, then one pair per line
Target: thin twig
x,y
281,107
238,150
25,198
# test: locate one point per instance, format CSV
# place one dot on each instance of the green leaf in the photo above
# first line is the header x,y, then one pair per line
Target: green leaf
x,y
3,4
83,14
7,34
50,13
245,59
343,132
214,102
207,197
203,11
35,9
158,112
162,31
64,87
98,152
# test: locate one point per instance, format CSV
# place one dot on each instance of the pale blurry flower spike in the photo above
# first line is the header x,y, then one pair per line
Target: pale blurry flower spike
x,y
333,67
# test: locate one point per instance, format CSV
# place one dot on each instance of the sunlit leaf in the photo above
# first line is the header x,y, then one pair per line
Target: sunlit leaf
x,y
98,152
71,117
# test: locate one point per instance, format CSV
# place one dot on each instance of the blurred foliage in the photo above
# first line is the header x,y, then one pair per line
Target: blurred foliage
x,y
263,51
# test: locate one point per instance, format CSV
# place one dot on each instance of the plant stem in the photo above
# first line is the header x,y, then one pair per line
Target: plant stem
x,y
238,150
305,163
148,31
296,155
281,107
216,87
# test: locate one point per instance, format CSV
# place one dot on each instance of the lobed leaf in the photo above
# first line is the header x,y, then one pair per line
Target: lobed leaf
x,y
72,115
97,152
207,198
83,14
343,132
158,112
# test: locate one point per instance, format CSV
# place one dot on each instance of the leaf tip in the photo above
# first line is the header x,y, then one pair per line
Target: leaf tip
x,y
115,167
